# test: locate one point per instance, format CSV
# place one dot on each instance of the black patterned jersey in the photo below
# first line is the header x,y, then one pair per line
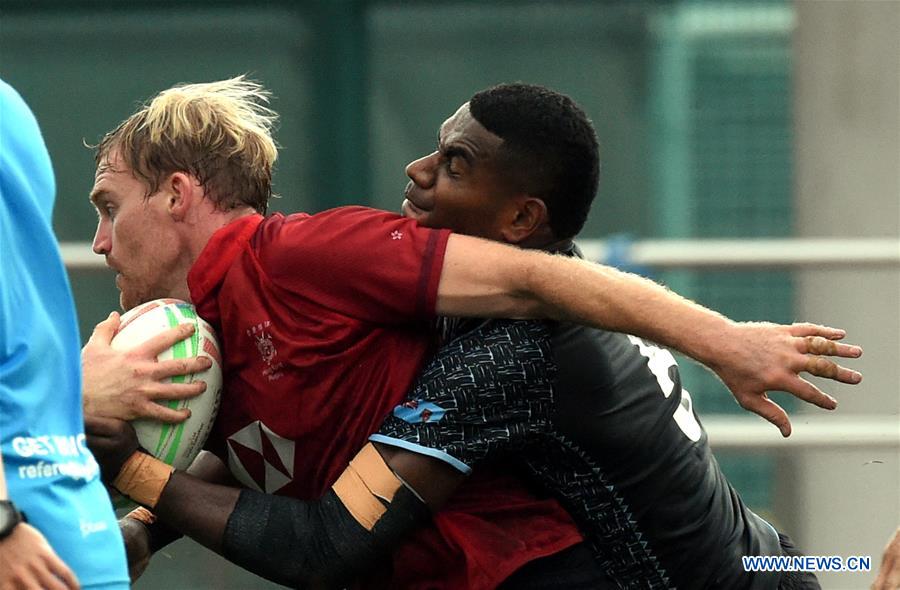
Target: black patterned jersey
x,y
601,420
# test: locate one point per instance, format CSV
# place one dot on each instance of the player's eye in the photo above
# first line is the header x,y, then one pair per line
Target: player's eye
x,y
454,168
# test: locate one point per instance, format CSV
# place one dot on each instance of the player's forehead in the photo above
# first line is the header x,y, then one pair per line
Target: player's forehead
x,y
452,123
463,130
109,164
111,177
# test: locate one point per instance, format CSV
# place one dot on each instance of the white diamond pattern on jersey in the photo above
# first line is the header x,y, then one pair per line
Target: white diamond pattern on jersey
x,y
261,459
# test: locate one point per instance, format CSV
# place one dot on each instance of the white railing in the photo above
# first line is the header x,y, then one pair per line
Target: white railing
x,y
824,431
726,431
79,256
750,253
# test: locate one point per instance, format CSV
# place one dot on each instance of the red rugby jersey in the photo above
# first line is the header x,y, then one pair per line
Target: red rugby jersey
x,y
324,323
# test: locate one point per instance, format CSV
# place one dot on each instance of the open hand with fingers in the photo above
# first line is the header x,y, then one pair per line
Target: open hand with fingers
x,y
126,384
755,358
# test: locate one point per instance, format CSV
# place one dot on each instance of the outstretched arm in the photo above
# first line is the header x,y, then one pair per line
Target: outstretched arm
x,y
484,278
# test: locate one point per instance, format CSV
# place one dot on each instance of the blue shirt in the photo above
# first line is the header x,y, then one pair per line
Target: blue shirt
x,y
50,473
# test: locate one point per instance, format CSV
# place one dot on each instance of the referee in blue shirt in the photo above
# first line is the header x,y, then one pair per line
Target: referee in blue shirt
x,y
48,475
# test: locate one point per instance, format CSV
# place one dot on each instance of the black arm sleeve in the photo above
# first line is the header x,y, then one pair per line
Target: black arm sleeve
x,y
301,544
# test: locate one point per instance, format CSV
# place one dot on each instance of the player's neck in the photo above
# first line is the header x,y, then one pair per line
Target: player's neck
x,y
197,234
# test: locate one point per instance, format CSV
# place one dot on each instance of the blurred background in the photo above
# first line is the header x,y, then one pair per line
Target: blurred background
x,y
717,120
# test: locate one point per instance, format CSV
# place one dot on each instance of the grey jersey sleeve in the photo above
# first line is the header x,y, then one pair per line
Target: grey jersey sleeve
x,y
484,393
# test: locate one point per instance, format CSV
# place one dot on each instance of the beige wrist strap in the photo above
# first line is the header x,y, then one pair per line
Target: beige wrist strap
x,y
143,478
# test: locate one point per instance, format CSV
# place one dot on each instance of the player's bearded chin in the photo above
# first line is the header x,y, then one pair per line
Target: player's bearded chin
x,y
129,297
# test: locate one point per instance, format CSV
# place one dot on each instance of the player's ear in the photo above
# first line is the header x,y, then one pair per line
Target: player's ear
x,y
183,190
529,217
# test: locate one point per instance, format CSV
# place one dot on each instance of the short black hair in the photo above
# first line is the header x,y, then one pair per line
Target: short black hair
x,y
549,148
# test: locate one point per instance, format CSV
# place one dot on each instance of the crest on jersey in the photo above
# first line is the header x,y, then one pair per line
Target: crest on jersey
x,y
265,347
261,459
267,351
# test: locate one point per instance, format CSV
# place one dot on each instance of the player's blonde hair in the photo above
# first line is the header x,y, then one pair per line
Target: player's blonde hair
x,y
219,132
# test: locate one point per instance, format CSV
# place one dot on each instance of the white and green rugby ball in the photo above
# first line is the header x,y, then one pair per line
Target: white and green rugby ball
x,y
176,444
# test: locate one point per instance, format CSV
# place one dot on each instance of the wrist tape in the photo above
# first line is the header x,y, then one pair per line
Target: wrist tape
x,y
160,534
143,478
143,515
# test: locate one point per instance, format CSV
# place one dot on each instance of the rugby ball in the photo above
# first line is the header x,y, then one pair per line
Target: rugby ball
x,y
176,444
